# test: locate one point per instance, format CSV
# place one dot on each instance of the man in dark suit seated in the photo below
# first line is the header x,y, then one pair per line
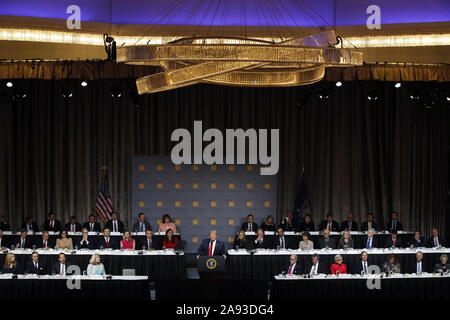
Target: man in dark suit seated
x,y
35,266
106,241
393,241
370,223
45,242
282,242
86,242
263,242
249,224
294,267
92,225
316,267
141,225
29,225
349,225
326,241
60,267
370,241
4,226
149,243
443,265
52,224
362,267
24,241
3,242
211,247
417,241
115,225
394,224
417,266
330,224
73,225
436,240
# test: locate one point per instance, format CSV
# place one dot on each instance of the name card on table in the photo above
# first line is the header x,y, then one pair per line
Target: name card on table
x,y
74,233
269,233
7,233
92,233
116,234
138,233
289,233
250,233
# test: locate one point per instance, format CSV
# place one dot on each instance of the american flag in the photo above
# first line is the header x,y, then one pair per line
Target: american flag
x,y
104,206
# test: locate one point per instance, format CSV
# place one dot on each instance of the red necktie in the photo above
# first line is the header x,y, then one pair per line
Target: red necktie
x,y
329,226
51,225
210,248
282,243
107,242
73,228
250,229
394,242
290,270
45,244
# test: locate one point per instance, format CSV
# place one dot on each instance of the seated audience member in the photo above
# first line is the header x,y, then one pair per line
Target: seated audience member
x,y
329,224
362,267
263,242
3,242
73,225
141,225
127,242
95,267
268,224
29,225
115,225
307,224
282,242
349,225
60,267
326,241
91,225
417,266
11,265
305,243
370,223
52,224
249,225
346,241
212,246
86,242
287,223
370,241
443,265
148,243
169,241
166,223
106,241
24,241
338,267
241,242
316,267
63,242
394,224
35,266
417,241
4,226
436,240
391,265
44,242
393,241
294,267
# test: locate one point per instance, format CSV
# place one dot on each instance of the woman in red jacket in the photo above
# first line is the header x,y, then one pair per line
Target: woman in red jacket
x,y
338,267
169,241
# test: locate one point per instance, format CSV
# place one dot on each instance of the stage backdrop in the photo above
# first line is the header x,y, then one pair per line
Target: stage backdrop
x,y
200,198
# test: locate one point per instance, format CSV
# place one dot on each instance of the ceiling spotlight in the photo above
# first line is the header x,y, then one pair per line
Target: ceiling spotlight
x,y
414,95
66,93
9,84
448,98
372,95
115,92
323,94
338,84
398,85
84,83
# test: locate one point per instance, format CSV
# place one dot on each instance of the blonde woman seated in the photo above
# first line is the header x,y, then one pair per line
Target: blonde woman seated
x,y
95,267
63,242
346,242
10,265
127,242
306,244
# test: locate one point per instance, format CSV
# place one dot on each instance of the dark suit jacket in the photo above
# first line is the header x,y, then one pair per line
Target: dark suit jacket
x,y
96,226
120,225
344,225
286,226
244,226
399,226
28,242
5,226
358,268
40,242
31,269
331,243
144,243
416,243
57,267
56,228
306,226
297,269
323,268
136,226
113,243
34,226
334,226
288,243
364,226
266,227
430,242
375,243
268,243
4,243
68,227
219,249
91,245
439,265
243,244
398,243
412,267
14,270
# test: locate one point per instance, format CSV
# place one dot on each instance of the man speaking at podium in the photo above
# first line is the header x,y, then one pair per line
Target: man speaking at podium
x,y
211,247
